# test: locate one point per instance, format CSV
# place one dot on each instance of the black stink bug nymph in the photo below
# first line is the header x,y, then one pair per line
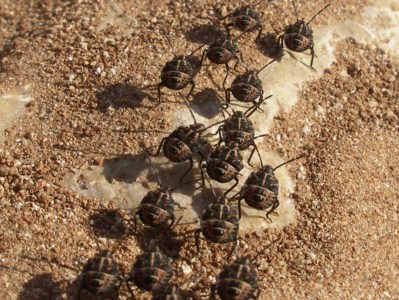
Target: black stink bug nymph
x,y
237,281
177,74
219,223
101,276
298,37
246,19
152,271
247,87
223,165
260,190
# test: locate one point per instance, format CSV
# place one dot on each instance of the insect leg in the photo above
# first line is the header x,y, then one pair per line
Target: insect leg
x,y
202,176
259,33
197,236
189,169
232,187
191,89
129,287
280,41
275,205
312,53
227,92
227,74
159,148
203,57
161,85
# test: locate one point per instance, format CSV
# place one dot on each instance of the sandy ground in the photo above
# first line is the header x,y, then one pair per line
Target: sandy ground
x,y
85,62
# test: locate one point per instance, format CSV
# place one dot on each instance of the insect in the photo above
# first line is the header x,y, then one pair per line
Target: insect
x,y
157,207
223,165
219,223
222,51
245,19
101,276
182,143
171,293
239,129
260,190
247,87
299,36
151,271
239,280
177,74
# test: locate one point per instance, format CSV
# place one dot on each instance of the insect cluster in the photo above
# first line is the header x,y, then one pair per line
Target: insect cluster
x,y
219,223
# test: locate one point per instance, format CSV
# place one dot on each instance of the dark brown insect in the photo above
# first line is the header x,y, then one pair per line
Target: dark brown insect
x,y
157,208
223,165
182,143
247,87
260,190
177,74
151,271
222,51
237,281
101,276
298,37
171,293
245,19
219,223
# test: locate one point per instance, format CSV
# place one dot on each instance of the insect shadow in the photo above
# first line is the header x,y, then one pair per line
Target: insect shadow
x,y
269,46
122,95
204,33
207,103
108,223
40,287
204,197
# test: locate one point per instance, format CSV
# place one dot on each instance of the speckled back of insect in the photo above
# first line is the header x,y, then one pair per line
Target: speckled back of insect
x,y
247,87
239,129
180,145
246,19
237,281
222,51
224,163
298,37
152,270
261,189
156,209
177,73
219,222
101,275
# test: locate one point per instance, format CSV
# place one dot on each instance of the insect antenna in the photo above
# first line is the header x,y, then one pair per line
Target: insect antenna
x,y
189,108
288,161
259,253
296,11
155,170
170,44
210,184
278,57
318,13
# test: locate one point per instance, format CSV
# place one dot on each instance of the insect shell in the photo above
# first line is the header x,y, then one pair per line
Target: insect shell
x,y
239,129
100,276
298,37
156,209
219,223
176,75
224,164
237,281
182,143
246,87
171,293
151,271
260,191
246,19
222,51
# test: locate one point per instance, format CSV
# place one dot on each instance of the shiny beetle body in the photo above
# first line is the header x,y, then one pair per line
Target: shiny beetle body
x,y
219,223
237,281
152,271
101,276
